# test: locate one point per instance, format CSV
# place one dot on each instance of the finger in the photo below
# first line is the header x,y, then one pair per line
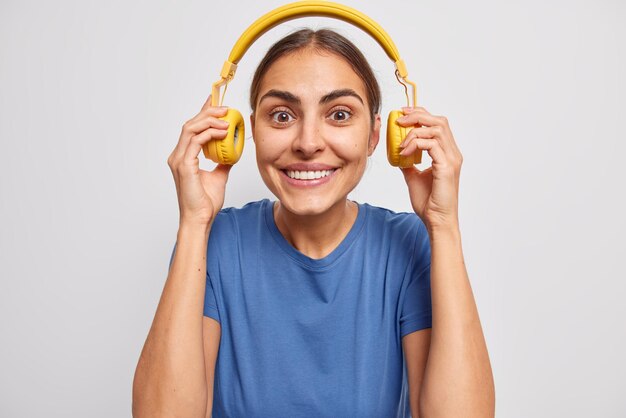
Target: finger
x,y
192,128
419,180
406,110
432,146
195,126
412,171
208,104
420,117
197,141
221,171
426,132
210,112
206,118
217,111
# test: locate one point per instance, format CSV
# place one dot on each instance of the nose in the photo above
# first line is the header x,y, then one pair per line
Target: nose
x,y
309,140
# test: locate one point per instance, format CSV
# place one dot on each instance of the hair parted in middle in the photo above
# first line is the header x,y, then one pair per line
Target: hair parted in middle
x,y
321,40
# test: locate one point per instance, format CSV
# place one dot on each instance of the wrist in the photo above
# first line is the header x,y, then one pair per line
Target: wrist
x,y
444,231
193,228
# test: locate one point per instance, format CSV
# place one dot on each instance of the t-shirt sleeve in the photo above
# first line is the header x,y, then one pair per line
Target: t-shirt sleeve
x,y
210,305
416,312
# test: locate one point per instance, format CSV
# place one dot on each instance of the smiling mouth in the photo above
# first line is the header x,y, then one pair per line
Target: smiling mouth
x,y
308,175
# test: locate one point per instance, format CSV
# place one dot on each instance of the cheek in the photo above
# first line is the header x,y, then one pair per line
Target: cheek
x,y
353,147
267,148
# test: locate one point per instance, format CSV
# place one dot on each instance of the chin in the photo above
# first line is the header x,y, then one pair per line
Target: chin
x,y
309,206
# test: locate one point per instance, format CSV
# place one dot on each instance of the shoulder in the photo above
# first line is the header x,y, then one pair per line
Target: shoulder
x,y
245,210
396,225
231,221
229,216
401,235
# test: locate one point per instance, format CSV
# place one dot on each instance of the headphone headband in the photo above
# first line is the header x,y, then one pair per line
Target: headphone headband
x,y
312,8
305,9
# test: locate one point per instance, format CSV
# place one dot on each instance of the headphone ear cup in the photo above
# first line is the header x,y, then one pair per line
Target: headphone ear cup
x,y
227,150
395,135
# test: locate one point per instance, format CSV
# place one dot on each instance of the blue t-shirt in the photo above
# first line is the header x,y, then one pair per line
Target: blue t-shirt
x,y
303,337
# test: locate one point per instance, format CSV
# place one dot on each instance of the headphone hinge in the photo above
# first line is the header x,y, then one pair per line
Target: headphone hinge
x,y
228,70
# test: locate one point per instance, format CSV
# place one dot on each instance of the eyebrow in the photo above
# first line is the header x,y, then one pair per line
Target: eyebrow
x,y
280,94
291,98
335,94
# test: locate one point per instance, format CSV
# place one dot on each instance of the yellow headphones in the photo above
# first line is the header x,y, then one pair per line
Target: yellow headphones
x,y
229,149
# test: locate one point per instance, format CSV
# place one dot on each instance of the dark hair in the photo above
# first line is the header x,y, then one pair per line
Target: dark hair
x,y
321,40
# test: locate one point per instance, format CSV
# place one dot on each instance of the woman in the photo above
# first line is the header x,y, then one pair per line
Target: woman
x,y
313,302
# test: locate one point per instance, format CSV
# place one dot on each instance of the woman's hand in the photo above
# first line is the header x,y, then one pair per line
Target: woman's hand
x,y
434,192
200,192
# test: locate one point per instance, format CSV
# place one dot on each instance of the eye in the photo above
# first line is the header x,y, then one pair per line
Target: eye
x,y
340,115
281,117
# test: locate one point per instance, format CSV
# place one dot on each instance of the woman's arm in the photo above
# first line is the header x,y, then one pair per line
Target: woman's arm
x,y
458,380
170,379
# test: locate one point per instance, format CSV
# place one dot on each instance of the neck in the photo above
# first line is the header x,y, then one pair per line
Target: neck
x,y
316,236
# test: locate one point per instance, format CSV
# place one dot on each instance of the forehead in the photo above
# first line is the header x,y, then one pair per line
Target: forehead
x,y
310,72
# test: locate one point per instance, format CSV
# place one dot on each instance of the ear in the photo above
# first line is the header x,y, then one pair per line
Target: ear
x,y
252,125
374,136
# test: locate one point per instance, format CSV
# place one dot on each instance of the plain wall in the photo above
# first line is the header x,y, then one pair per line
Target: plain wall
x,y
93,98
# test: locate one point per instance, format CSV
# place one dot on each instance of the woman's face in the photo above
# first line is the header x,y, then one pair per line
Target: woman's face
x,y
312,131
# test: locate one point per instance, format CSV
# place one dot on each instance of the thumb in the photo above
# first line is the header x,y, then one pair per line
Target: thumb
x,y
222,170
408,172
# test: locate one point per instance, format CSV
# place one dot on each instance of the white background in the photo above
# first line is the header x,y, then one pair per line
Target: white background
x,y
93,97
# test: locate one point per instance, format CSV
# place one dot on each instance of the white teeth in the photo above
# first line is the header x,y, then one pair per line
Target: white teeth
x,y
308,175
